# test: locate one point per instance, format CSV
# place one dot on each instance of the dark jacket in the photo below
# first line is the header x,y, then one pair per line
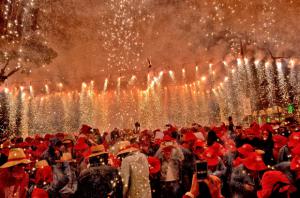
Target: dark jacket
x,y
100,181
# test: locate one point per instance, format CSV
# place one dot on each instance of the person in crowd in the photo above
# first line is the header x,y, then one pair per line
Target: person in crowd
x,y
275,184
99,179
285,152
245,178
64,182
134,171
171,157
267,145
13,178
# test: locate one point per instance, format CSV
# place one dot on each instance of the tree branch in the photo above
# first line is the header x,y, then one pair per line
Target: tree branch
x,y
12,72
2,71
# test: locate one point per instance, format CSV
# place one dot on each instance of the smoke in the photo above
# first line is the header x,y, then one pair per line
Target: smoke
x,y
98,39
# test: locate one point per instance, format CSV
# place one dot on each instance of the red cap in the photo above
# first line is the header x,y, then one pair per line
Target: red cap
x,y
254,162
39,193
245,150
269,181
154,165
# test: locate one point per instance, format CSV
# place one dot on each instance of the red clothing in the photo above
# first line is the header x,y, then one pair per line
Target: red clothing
x,y
11,187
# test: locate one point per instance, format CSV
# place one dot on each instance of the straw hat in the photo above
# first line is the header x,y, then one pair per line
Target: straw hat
x,y
41,164
126,147
16,156
66,157
98,150
69,138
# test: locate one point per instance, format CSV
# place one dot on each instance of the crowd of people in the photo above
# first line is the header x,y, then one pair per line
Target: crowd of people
x,y
257,161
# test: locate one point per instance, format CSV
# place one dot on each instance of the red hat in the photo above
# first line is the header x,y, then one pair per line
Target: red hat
x,y
189,137
44,175
29,139
154,165
167,138
254,162
246,149
48,136
267,127
85,129
38,137
269,181
39,193
60,136
211,157
279,141
294,139
238,161
22,145
251,131
296,150
81,145
199,143
218,148
295,163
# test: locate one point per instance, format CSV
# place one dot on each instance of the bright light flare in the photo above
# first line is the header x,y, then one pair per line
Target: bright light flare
x,y
105,84
171,74
203,78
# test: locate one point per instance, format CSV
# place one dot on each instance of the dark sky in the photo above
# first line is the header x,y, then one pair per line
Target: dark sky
x,y
96,39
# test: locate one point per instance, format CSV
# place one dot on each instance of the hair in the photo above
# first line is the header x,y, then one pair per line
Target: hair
x,y
211,137
99,160
203,190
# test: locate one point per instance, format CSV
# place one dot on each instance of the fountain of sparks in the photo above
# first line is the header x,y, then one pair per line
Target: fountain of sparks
x,y
246,86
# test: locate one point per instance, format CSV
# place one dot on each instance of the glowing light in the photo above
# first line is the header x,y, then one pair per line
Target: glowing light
x,y
225,63
22,88
256,62
105,84
132,80
203,78
226,78
279,64
60,85
210,65
292,63
6,90
31,89
232,71
46,88
197,68
171,74
246,61
239,61
161,73
84,85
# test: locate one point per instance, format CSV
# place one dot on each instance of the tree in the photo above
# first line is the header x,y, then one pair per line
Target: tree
x,y
22,47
